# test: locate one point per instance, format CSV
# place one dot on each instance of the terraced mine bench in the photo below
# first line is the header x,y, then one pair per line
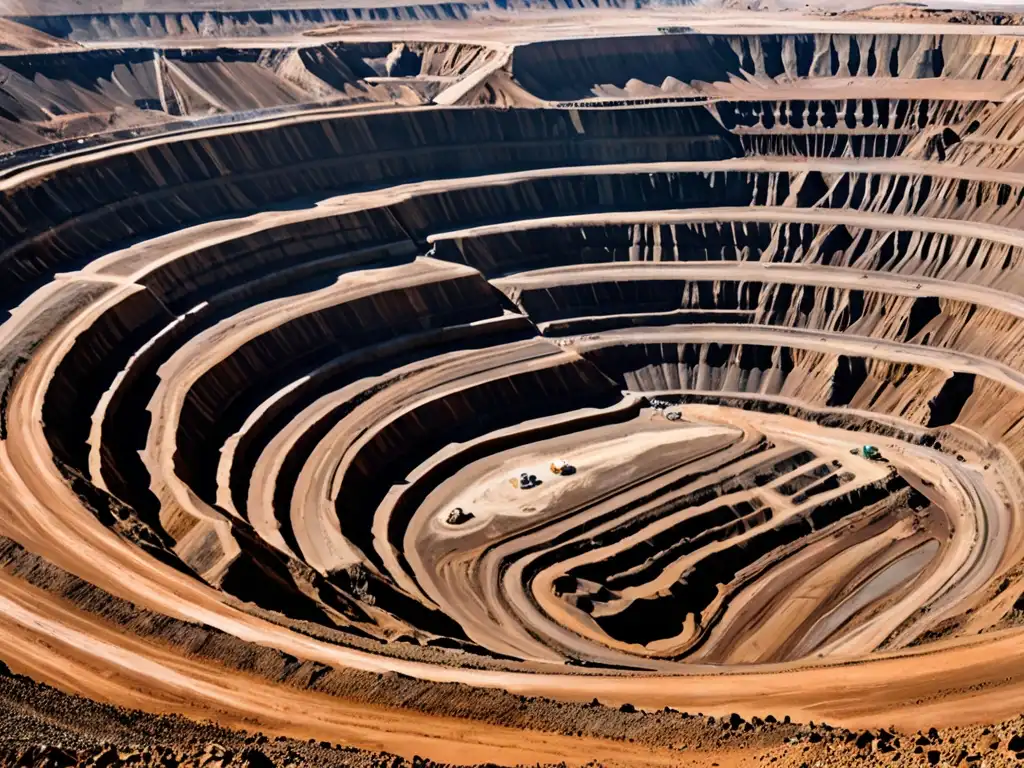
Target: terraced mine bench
x,y
250,369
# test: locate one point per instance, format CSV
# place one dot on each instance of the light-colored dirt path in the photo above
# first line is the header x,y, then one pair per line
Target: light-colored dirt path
x,y
760,214
796,274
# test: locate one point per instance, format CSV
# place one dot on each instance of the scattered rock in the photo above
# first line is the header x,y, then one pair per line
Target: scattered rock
x,y
42,756
107,757
864,739
255,758
216,755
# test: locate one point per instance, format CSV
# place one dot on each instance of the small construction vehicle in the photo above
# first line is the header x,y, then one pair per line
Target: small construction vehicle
x,y
868,452
458,516
526,481
562,467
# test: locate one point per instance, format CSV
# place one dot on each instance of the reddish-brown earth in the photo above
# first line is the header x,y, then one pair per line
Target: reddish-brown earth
x,y
292,298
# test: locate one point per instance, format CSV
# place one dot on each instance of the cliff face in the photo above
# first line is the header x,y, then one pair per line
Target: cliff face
x,y
148,21
106,93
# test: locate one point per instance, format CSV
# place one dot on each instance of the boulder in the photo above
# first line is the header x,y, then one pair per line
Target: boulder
x,y
864,739
252,757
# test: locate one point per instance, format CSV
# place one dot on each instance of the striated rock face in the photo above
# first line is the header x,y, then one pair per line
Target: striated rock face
x,y
313,369
110,93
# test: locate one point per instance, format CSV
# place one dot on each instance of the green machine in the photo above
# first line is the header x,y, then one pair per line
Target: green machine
x,y
868,452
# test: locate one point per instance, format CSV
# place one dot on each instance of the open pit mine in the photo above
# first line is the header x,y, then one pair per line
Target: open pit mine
x,y
492,385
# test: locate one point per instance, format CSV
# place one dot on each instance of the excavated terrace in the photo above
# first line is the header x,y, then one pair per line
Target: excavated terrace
x,y
285,307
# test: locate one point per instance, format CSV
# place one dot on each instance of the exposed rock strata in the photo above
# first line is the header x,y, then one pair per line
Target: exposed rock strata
x,y
251,368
